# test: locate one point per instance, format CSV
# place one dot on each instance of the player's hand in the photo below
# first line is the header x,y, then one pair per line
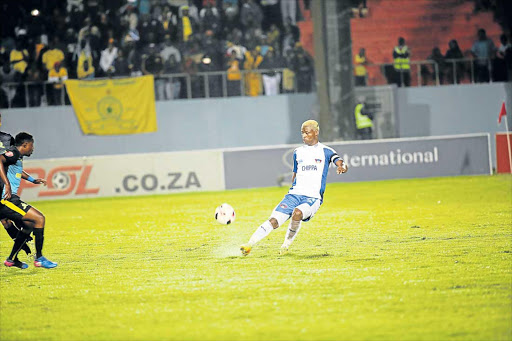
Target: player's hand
x,y
40,181
7,194
343,168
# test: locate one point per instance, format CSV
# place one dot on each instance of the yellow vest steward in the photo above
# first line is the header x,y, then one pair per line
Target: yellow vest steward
x,y
362,121
401,62
359,68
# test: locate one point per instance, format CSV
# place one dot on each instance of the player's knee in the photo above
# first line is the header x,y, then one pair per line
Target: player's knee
x,y
297,214
41,220
34,218
274,223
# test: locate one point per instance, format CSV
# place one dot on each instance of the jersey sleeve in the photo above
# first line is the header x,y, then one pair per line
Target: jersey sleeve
x,y
295,161
10,157
332,156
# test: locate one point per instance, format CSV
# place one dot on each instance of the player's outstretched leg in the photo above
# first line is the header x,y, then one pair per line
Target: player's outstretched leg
x,y
293,230
262,231
36,218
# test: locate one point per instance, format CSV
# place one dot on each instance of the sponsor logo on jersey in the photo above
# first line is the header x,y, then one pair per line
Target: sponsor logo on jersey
x,y
309,168
283,205
9,154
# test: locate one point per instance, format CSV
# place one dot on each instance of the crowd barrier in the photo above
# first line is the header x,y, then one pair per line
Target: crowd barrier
x,y
214,170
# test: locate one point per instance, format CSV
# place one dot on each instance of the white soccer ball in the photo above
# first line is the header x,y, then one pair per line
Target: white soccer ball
x,y
225,214
60,180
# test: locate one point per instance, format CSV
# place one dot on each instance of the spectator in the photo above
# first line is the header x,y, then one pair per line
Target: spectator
x,y
208,64
264,46
19,59
134,59
402,63
271,78
173,84
192,10
253,60
210,19
438,58
251,15
483,50
152,64
35,87
271,13
212,48
57,75
85,69
121,68
288,73
234,76
186,25
169,50
360,71
52,55
8,78
290,36
190,67
237,48
453,57
289,11
108,56
304,72
169,24
503,62
231,19
274,38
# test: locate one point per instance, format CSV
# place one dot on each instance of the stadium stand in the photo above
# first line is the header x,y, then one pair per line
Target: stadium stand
x,y
186,44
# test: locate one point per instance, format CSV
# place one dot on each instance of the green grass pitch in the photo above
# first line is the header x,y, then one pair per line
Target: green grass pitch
x,y
424,259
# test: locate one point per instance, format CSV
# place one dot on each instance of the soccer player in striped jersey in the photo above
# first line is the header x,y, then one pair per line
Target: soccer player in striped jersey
x,y
310,166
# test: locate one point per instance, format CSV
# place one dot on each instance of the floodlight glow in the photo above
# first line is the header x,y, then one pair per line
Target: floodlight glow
x,y
35,12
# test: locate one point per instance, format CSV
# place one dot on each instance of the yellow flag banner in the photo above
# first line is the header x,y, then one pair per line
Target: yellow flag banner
x,y
114,106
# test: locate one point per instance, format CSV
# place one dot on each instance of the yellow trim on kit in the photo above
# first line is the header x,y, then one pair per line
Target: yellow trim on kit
x,y
13,207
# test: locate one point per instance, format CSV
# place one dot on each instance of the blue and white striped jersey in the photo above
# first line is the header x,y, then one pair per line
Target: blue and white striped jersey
x,y
311,164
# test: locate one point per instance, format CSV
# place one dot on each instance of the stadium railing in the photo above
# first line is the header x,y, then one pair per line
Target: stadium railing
x,y
215,84
198,85
429,72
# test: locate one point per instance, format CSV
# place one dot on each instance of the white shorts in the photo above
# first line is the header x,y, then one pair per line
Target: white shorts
x,y
307,205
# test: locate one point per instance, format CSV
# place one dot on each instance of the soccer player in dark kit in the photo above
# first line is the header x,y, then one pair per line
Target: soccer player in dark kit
x,y
15,209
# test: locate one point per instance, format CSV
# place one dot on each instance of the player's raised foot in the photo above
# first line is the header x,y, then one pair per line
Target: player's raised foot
x,y
16,263
42,262
246,249
283,250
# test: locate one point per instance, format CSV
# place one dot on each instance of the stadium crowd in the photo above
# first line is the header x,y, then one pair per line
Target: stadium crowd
x,y
85,39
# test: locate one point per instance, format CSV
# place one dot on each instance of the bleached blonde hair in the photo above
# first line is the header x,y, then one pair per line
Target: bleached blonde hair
x,y
310,123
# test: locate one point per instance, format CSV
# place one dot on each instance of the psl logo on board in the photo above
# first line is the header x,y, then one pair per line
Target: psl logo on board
x,y
62,180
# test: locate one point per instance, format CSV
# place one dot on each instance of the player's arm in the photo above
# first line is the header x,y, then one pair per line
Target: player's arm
x,y
293,176
342,166
27,177
3,176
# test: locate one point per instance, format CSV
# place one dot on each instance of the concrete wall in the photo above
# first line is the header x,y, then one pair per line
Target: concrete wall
x,y
182,125
453,109
448,110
